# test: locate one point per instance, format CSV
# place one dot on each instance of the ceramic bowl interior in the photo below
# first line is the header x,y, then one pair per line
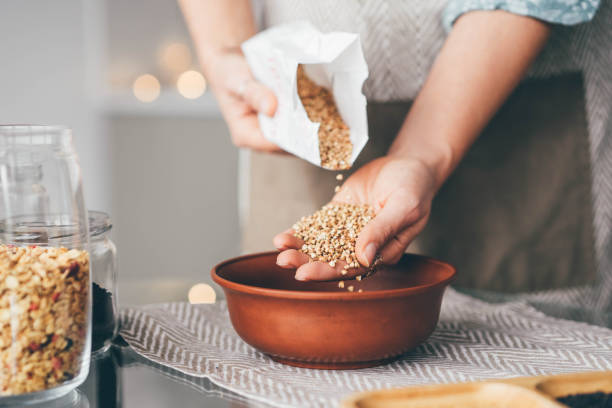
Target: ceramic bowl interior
x,y
412,273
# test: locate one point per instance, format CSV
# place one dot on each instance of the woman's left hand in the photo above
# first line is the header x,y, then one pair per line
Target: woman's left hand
x,y
400,190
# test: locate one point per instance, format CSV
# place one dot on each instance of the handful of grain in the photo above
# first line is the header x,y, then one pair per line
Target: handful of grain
x,y
330,234
43,314
335,145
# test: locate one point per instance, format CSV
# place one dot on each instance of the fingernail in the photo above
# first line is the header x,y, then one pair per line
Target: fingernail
x,y
281,263
370,253
300,276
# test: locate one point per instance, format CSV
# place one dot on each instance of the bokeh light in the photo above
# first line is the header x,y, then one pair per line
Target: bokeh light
x,y
201,293
175,58
191,84
146,88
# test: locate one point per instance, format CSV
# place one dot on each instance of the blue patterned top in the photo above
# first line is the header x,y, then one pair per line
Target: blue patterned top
x,y
566,12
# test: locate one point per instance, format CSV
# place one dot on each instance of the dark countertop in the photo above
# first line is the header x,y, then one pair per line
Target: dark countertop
x,y
121,378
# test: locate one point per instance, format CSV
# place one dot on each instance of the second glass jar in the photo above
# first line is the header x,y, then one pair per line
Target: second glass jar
x,y
103,255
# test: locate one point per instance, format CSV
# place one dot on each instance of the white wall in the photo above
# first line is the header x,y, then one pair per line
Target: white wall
x,y
165,171
44,80
175,204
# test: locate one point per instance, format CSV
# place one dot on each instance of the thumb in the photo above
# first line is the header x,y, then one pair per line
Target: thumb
x,y
257,95
400,211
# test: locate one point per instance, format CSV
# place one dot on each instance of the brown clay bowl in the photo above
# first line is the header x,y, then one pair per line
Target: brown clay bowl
x,y
319,325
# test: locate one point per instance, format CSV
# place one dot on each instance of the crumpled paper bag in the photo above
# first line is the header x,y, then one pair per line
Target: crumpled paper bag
x,y
334,60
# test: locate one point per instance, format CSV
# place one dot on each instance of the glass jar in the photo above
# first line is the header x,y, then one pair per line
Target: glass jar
x,y
104,277
45,280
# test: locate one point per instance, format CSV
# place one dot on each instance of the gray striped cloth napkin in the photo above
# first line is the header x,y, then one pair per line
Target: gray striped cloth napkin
x,y
474,340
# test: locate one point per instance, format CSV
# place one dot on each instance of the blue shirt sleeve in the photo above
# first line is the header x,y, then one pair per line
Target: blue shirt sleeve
x,y
566,12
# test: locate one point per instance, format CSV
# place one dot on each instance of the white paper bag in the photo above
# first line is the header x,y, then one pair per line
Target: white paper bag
x,y
333,60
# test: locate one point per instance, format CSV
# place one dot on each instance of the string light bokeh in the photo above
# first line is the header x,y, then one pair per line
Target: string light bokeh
x,y
191,84
174,58
146,88
174,66
201,293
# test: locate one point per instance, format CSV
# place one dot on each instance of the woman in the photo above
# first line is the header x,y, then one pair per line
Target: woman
x,y
512,176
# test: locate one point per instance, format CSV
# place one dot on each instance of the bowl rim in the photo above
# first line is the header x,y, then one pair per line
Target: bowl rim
x,y
312,295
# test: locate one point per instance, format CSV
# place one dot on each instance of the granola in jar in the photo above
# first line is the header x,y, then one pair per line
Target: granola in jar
x,y
44,306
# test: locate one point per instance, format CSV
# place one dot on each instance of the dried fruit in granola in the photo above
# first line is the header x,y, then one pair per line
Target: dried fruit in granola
x,y
43,315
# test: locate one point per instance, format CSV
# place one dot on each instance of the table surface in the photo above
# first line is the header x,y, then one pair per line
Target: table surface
x,y
121,378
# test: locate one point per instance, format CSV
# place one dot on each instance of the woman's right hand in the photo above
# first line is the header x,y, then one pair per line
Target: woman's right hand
x,y
241,97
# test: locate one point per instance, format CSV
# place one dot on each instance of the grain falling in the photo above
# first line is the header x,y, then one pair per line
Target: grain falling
x,y
335,145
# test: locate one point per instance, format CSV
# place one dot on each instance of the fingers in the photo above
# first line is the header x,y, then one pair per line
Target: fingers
x,y
241,98
393,250
260,97
291,259
316,271
398,212
286,240
255,94
246,133
322,271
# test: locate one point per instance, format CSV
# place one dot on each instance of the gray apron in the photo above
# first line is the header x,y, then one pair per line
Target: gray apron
x,y
516,214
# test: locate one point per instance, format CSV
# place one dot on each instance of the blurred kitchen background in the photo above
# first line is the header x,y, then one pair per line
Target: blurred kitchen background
x,y
154,150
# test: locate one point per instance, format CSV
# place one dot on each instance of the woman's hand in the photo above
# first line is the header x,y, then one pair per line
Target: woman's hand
x,y
456,102
241,98
400,190
218,28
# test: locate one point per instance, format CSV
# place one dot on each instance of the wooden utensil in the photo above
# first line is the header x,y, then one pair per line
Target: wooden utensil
x,y
528,392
